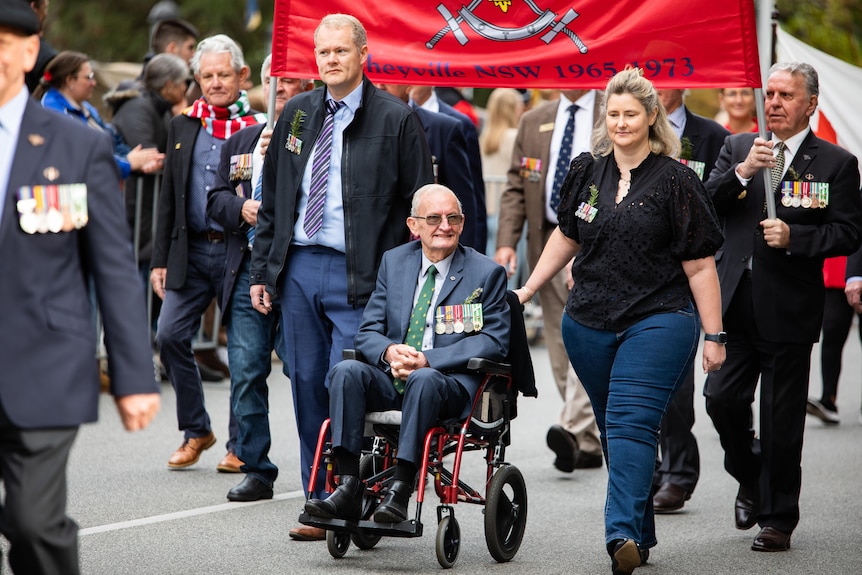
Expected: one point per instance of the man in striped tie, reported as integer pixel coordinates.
(233, 203)
(337, 184)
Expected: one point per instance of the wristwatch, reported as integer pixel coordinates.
(720, 337)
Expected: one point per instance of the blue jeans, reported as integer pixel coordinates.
(631, 377)
(178, 324)
(251, 337)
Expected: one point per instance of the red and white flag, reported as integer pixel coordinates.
(534, 43)
(836, 120)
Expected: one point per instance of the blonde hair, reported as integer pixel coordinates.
(662, 139)
(360, 38)
(504, 107)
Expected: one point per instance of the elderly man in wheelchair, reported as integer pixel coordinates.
(436, 305)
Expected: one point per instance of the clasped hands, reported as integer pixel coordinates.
(404, 360)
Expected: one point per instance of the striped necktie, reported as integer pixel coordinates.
(256, 195)
(320, 172)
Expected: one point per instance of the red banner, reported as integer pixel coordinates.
(534, 43)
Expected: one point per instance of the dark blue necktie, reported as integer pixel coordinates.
(564, 158)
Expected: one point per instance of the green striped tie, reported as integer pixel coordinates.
(416, 331)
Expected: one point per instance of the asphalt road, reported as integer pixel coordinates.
(137, 517)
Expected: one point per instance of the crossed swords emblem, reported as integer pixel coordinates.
(546, 22)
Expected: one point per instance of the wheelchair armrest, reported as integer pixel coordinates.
(353, 354)
(483, 365)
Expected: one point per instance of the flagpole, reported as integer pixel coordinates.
(768, 20)
(270, 106)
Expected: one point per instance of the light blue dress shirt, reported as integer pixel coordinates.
(10, 126)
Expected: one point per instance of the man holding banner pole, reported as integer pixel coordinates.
(338, 180)
(770, 270)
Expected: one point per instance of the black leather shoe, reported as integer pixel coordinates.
(343, 503)
(393, 509)
(565, 446)
(625, 556)
(589, 460)
(250, 489)
(771, 539)
(747, 507)
(669, 498)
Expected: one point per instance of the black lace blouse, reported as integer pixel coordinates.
(629, 266)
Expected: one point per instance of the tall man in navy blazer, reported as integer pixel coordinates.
(772, 294)
(49, 384)
(435, 378)
(322, 267)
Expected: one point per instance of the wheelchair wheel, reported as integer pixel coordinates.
(369, 465)
(505, 513)
(337, 543)
(448, 541)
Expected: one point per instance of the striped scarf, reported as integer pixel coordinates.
(222, 123)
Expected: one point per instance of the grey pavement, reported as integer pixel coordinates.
(138, 517)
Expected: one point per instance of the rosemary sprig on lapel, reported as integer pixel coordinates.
(793, 174)
(473, 296)
(296, 123)
(594, 195)
(685, 148)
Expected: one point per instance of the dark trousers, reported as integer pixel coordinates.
(42, 539)
(680, 456)
(837, 320)
(783, 370)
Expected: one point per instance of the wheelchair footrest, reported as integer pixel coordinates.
(409, 528)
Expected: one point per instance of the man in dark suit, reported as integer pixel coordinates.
(188, 247)
(532, 179)
(420, 371)
(251, 336)
(49, 384)
(426, 98)
(451, 166)
(679, 471)
(336, 190)
(772, 292)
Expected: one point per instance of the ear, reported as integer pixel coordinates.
(412, 225)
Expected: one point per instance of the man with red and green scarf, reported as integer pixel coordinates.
(189, 250)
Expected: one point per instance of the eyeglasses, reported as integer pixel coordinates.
(437, 219)
(90, 77)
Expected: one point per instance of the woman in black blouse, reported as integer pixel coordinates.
(645, 233)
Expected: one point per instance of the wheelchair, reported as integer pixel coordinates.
(485, 429)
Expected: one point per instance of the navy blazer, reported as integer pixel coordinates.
(49, 376)
(787, 285)
(387, 315)
(224, 205)
(706, 137)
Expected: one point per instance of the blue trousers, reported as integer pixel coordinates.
(179, 321)
(251, 337)
(318, 325)
(631, 377)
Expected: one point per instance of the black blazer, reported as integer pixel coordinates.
(787, 284)
(224, 205)
(706, 137)
(49, 376)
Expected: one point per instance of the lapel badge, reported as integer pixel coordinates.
(51, 173)
(452, 278)
(809, 177)
(35, 140)
(177, 146)
(806, 157)
(742, 195)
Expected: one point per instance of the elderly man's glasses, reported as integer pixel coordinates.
(437, 219)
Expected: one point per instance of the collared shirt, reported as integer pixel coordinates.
(11, 114)
(205, 159)
(442, 272)
(331, 234)
(580, 144)
(677, 120)
(432, 104)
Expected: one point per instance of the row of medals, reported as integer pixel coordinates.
(449, 319)
(52, 208)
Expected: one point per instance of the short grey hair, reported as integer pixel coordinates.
(164, 67)
(427, 189)
(267, 66)
(219, 44)
(807, 71)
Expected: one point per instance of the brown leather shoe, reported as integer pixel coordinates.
(669, 498)
(771, 539)
(190, 451)
(306, 533)
(229, 464)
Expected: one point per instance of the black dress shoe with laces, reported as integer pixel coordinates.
(393, 509)
(746, 507)
(771, 539)
(343, 503)
(250, 489)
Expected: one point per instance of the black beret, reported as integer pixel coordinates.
(18, 15)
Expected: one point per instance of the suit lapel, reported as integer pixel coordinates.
(805, 154)
(409, 278)
(456, 273)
